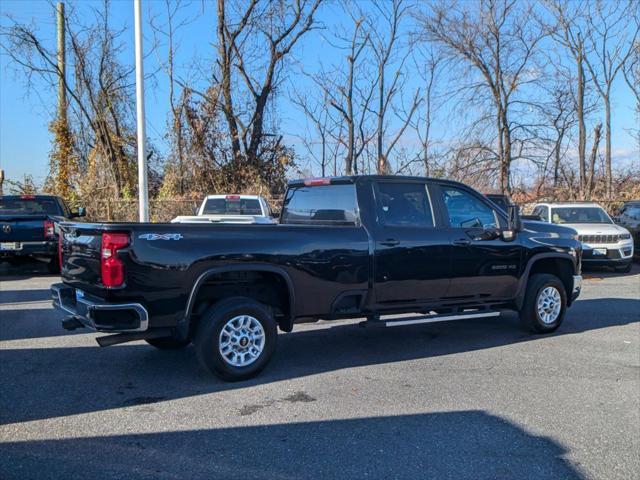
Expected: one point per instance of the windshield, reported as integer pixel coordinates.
(28, 206)
(232, 206)
(580, 215)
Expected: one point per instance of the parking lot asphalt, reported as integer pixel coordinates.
(479, 399)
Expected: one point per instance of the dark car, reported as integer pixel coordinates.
(28, 227)
(347, 247)
(629, 218)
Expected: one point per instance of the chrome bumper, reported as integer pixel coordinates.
(96, 314)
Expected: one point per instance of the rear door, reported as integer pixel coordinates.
(412, 256)
(481, 270)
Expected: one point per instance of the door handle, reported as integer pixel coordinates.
(390, 242)
(461, 242)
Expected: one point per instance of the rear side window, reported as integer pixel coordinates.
(466, 210)
(232, 206)
(404, 205)
(323, 204)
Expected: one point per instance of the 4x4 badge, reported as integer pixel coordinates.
(160, 236)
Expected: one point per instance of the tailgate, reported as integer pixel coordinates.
(23, 228)
(80, 254)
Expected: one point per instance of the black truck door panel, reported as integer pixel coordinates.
(481, 266)
(411, 259)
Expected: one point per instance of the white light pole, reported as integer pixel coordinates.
(143, 192)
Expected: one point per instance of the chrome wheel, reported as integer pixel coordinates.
(241, 341)
(549, 305)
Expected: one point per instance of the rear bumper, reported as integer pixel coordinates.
(32, 249)
(95, 313)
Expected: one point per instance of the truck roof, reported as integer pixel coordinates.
(569, 204)
(355, 178)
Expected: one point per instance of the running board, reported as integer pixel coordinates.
(430, 319)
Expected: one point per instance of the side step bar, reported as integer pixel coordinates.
(429, 319)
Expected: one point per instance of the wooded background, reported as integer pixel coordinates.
(529, 112)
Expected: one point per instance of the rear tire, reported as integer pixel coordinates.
(236, 338)
(545, 303)
(168, 343)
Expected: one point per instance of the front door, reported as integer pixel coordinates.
(483, 268)
(412, 258)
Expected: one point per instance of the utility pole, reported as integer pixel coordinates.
(62, 93)
(143, 193)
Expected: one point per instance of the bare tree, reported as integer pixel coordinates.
(317, 114)
(497, 39)
(167, 30)
(244, 30)
(569, 32)
(611, 38)
(631, 72)
(389, 53)
(99, 94)
(597, 133)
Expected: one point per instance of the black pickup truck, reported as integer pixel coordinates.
(27, 227)
(346, 247)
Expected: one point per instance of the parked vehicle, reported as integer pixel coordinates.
(346, 247)
(603, 242)
(629, 217)
(230, 209)
(27, 227)
(503, 201)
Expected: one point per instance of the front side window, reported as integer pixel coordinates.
(404, 205)
(321, 205)
(467, 211)
(542, 212)
(579, 215)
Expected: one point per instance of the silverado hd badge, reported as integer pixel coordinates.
(160, 236)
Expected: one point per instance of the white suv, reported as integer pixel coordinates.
(603, 242)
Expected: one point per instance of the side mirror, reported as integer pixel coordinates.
(514, 224)
(80, 212)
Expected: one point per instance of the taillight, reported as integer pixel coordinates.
(312, 182)
(49, 229)
(112, 266)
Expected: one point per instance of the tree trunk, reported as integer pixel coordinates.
(607, 148)
(592, 160)
(581, 125)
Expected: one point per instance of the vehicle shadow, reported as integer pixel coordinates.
(589, 272)
(444, 445)
(87, 379)
(23, 271)
(23, 296)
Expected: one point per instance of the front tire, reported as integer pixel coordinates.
(236, 338)
(545, 303)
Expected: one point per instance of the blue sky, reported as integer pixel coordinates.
(24, 137)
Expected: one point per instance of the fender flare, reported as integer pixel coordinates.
(524, 278)
(285, 325)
